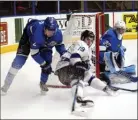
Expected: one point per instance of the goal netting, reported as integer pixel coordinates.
(78, 23)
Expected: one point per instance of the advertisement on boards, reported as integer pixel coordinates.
(3, 33)
(131, 20)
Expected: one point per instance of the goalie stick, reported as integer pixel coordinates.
(124, 89)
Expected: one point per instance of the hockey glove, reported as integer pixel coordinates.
(81, 67)
(46, 68)
(65, 57)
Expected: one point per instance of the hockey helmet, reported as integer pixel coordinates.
(50, 23)
(120, 24)
(87, 34)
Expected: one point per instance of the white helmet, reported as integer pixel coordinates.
(120, 24)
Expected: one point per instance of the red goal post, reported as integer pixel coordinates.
(79, 22)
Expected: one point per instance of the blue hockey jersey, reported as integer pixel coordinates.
(110, 41)
(39, 40)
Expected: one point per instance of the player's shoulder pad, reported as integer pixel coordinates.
(38, 32)
(108, 34)
(111, 32)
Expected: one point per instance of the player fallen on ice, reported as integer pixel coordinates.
(112, 60)
(76, 65)
(38, 38)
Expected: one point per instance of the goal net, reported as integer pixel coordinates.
(78, 23)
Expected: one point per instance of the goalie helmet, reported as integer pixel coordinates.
(50, 23)
(87, 34)
(120, 28)
(120, 24)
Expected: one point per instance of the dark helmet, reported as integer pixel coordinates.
(87, 34)
(50, 23)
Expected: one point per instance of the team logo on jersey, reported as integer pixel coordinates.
(53, 43)
(34, 44)
(107, 43)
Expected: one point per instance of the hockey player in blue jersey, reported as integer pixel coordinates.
(38, 39)
(112, 60)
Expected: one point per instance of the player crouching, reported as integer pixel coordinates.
(75, 69)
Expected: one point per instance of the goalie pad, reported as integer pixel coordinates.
(121, 77)
(113, 78)
(114, 62)
(130, 69)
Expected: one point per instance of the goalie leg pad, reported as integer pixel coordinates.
(113, 78)
(119, 77)
(111, 63)
(129, 77)
(130, 69)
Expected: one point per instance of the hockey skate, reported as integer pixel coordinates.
(43, 88)
(82, 106)
(110, 91)
(84, 102)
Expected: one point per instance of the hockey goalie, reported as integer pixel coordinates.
(112, 60)
(75, 69)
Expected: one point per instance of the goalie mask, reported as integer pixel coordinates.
(88, 37)
(120, 27)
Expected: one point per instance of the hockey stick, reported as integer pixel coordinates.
(75, 96)
(124, 89)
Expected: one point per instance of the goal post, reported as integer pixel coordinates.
(79, 22)
(85, 21)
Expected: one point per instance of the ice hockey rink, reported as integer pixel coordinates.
(24, 101)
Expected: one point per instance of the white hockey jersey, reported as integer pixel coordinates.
(79, 47)
(82, 49)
